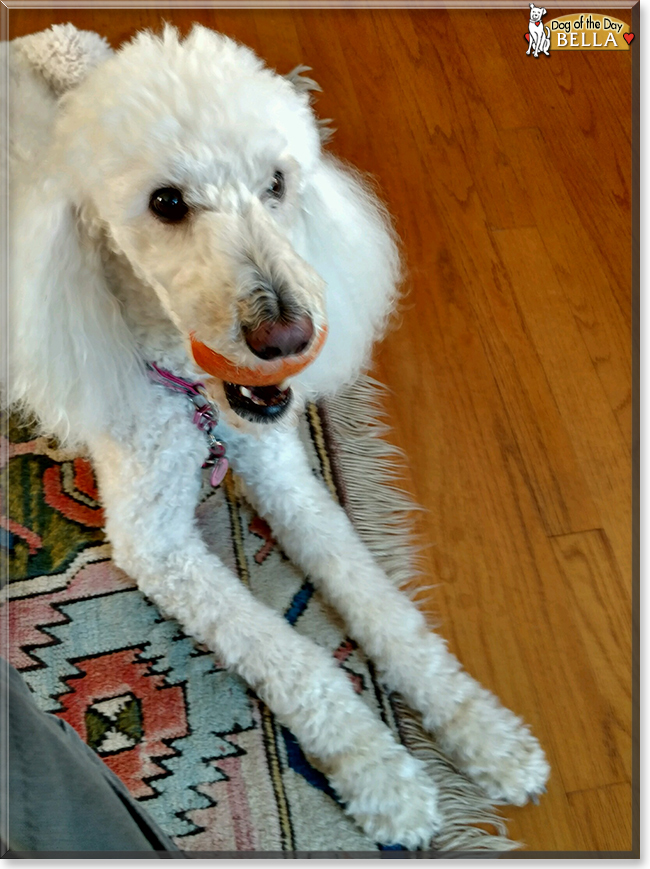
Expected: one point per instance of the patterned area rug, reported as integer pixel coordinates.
(204, 755)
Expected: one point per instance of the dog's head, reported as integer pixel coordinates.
(536, 13)
(192, 157)
(203, 171)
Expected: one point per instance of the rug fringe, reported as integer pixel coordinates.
(382, 512)
(372, 470)
(462, 803)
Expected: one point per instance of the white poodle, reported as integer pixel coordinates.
(178, 188)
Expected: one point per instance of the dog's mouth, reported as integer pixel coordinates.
(267, 398)
(261, 404)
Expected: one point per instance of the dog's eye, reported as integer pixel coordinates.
(276, 188)
(168, 204)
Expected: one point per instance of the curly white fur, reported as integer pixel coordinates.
(99, 287)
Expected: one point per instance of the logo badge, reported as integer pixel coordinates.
(587, 31)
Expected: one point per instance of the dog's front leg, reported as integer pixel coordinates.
(149, 496)
(484, 738)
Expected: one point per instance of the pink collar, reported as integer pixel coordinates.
(206, 417)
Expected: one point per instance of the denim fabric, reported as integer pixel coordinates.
(61, 796)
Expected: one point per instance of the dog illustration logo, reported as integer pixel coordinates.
(539, 37)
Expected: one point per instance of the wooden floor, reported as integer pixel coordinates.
(510, 182)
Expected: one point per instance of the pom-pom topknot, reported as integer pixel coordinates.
(269, 373)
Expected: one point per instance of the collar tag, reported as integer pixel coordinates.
(205, 417)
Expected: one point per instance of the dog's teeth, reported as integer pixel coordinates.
(245, 391)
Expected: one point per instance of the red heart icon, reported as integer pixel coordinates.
(527, 35)
(628, 37)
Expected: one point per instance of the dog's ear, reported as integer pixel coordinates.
(72, 360)
(350, 242)
(63, 55)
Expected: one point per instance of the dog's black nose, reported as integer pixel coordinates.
(273, 339)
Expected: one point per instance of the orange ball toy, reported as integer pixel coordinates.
(269, 373)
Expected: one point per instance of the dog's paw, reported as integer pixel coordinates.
(391, 798)
(494, 748)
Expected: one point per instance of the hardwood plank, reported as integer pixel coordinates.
(505, 96)
(323, 38)
(278, 38)
(541, 441)
(460, 113)
(606, 103)
(498, 574)
(604, 71)
(239, 25)
(599, 446)
(551, 822)
(595, 168)
(602, 326)
(602, 601)
(581, 718)
(588, 808)
(564, 499)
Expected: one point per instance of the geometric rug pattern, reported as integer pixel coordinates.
(190, 740)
